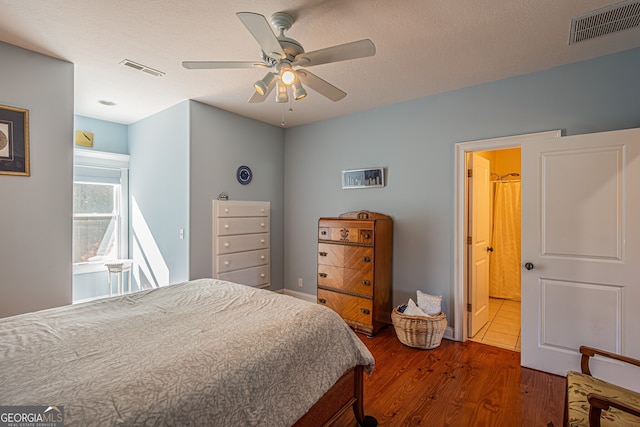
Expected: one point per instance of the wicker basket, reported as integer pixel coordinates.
(419, 331)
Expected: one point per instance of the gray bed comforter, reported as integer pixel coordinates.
(199, 353)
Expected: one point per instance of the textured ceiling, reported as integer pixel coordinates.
(423, 47)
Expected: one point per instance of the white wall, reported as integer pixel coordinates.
(36, 211)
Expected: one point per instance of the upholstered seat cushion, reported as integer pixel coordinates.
(580, 385)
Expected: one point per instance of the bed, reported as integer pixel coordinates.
(204, 352)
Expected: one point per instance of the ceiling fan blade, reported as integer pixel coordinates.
(256, 97)
(343, 52)
(323, 87)
(207, 65)
(261, 31)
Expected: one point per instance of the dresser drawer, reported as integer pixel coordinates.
(350, 308)
(228, 226)
(346, 235)
(230, 262)
(242, 242)
(346, 279)
(255, 276)
(235, 209)
(360, 257)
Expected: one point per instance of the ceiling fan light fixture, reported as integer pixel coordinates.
(287, 75)
(298, 90)
(262, 85)
(282, 96)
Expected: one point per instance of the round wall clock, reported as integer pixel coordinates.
(244, 175)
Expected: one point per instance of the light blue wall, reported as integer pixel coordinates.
(415, 141)
(183, 158)
(111, 138)
(35, 211)
(220, 143)
(107, 136)
(159, 192)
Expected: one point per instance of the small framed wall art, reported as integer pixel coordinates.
(363, 178)
(14, 141)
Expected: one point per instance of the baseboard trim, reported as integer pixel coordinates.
(300, 295)
(448, 333)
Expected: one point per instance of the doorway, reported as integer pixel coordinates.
(462, 295)
(502, 202)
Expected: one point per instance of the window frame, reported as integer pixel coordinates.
(103, 159)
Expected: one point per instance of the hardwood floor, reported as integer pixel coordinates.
(456, 384)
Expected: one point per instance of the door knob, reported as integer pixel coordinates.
(490, 249)
(528, 266)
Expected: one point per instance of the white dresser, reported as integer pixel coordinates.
(241, 242)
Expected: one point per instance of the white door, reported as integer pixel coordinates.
(581, 251)
(479, 230)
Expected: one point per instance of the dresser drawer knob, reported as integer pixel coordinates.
(226, 210)
(226, 226)
(366, 259)
(322, 274)
(226, 244)
(324, 233)
(262, 257)
(322, 253)
(365, 311)
(261, 240)
(227, 263)
(262, 224)
(263, 275)
(367, 236)
(366, 283)
(322, 300)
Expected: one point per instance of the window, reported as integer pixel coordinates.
(100, 225)
(96, 221)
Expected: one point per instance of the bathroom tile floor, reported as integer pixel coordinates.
(503, 328)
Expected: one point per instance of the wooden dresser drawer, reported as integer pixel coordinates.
(239, 209)
(342, 255)
(346, 235)
(255, 276)
(227, 226)
(346, 231)
(351, 308)
(241, 243)
(230, 262)
(346, 279)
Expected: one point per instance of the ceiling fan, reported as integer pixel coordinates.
(281, 54)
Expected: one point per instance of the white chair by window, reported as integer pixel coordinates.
(119, 267)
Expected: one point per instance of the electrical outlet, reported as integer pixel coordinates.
(300, 282)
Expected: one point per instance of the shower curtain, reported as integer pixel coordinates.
(504, 266)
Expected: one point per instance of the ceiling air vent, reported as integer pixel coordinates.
(611, 19)
(142, 68)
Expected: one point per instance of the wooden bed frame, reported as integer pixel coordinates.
(346, 392)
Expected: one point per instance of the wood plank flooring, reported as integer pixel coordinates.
(456, 384)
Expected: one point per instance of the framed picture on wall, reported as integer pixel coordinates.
(14, 141)
(363, 178)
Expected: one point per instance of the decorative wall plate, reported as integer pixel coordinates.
(244, 175)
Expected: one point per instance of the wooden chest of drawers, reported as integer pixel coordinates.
(355, 268)
(241, 242)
